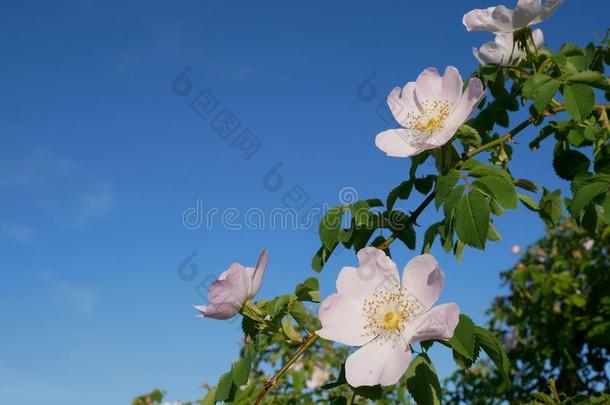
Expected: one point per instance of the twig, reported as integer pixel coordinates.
(304, 346)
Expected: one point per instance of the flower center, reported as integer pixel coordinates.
(431, 116)
(387, 313)
(391, 320)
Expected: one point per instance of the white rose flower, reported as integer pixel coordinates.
(234, 287)
(500, 19)
(503, 50)
(430, 110)
(373, 311)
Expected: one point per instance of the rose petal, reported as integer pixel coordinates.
(503, 20)
(538, 38)
(437, 323)
(379, 362)
(400, 142)
(548, 9)
(470, 99)
(402, 103)
(223, 310)
(424, 280)
(497, 52)
(525, 12)
(452, 85)
(493, 19)
(342, 320)
(429, 86)
(375, 271)
(258, 272)
(233, 288)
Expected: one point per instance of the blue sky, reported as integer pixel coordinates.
(99, 159)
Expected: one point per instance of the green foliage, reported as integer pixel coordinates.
(422, 381)
(463, 340)
(308, 290)
(472, 219)
(554, 321)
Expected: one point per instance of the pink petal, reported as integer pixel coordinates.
(470, 99)
(233, 287)
(429, 85)
(424, 280)
(538, 38)
(375, 271)
(400, 142)
(402, 103)
(548, 9)
(452, 85)
(259, 271)
(224, 310)
(493, 19)
(502, 50)
(525, 12)
(342, 320)
(378, 362)
(437, 323)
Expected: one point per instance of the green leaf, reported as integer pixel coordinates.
(550, 207)
(224, 388)
(444, 185)
(533, 83)
(429, 236)
(422, 381)
(472, 219)
(468, 136)
(330, 227)
(374, 202)
(289, 331)
(360, 237)
(463, 339)
(579, 100)
(584, 196)
(210, 398)
(403, 191)
(452, 199)
(540, 88)
(252, 311)
(319, 259)
(308, 290)
(570, 163)
(458, 250)
(361, 211)
(241, 371)
(299, 313)
(369, 392)
(493, 234)
(486, 170)
(499, 189)
(528, 202)
(606, 206)
(407, 236)
(495, 350)
(544, 95)
(424, 184)
(278, 306)
(591, 78)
